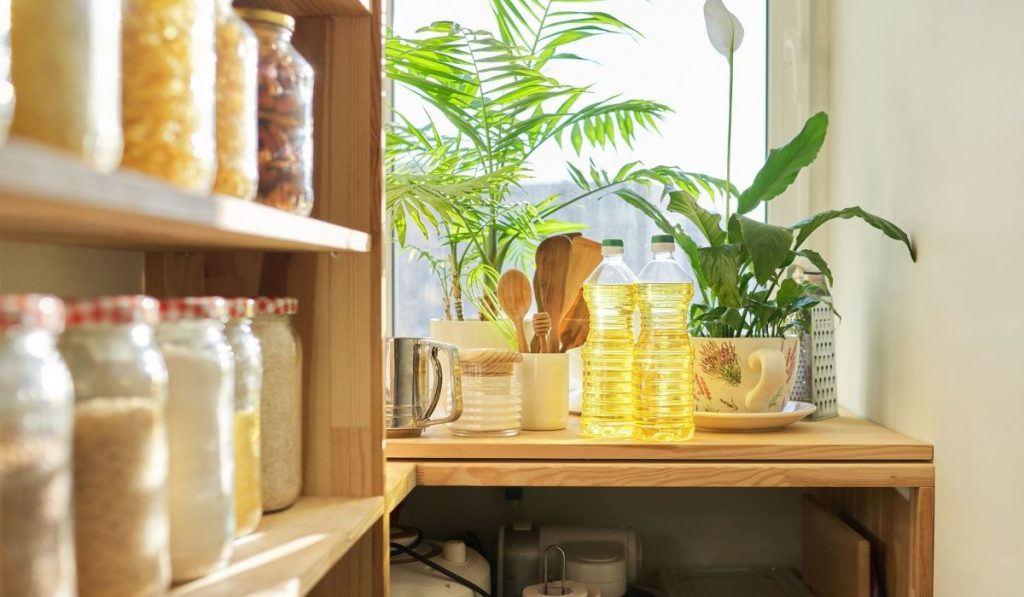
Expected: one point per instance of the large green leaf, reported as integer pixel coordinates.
(682, 239)
(806, 227)
(720, 266)
(767, 245)
(708, 223)
(784, 164)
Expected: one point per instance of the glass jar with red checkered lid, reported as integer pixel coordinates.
(36, 540)
(120, 456)
(200, 427)
(280, 401)
(248, 380)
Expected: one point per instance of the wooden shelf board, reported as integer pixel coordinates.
(46, 196)
(311, 8)
(673, 474)
(400, 480)
(843, 438)
(291, 550)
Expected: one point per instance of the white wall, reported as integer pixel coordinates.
(927, 107)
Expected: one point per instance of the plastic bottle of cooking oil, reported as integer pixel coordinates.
(610, 293)
(663, 361)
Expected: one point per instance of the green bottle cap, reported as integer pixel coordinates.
(662, 238)
(612, 242)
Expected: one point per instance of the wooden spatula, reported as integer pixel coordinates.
(552, 269)
(515, 297)
(584, 257)
(576, 326)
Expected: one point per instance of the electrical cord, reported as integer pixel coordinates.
(411, 552)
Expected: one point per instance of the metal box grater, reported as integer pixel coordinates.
(816, 367)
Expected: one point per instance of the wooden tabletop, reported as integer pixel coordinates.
(844, 438)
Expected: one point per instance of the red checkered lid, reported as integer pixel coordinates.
(241, 307)
(113, 310)
(276, 305)
(31, 311)
(193, 307)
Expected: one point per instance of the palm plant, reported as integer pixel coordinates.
(496, 94)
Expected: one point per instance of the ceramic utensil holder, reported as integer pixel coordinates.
(545, 382)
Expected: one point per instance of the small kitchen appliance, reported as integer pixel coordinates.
(409, 577)
(414, 380)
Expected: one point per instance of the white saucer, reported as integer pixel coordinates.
(791, 413)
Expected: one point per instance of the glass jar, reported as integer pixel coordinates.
(237, 51)
(6, 88)
(37, 557)
(200, 416)
(281, 402)
(66, 71)
(248, 380)
(169, 69)
(492, 401)
(285, 115)
(121, 529)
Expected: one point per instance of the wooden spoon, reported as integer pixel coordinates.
(515, 297)
(541, 329)
(552, 269)
(584, 258)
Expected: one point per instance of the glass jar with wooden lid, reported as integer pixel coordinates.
(169, 75)
(237, 51)
(285, 115)
(66, 70)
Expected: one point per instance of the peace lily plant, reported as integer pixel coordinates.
(741, 264)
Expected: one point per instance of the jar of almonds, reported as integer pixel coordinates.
(285, 115)
(169, 75)
(237, 51)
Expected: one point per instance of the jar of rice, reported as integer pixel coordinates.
(121, 531)
(200, 430)
(281, 401)
(36, 543)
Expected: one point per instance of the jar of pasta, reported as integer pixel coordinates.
(248, 380)
(280, 401)
(169, 75)
(37, 557)
(200, 430)
(66, 70)
(237, 50)
(285, 115)
(121, 528)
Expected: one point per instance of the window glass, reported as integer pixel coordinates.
(672, 63)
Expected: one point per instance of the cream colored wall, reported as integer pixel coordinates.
(69, 271)
(927, 107)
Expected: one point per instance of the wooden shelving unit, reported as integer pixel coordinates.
(333, 541)
(291, 550)
(400, 478)
(882, 480)
(46, 196)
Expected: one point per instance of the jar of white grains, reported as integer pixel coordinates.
(121, 532)
(200, 415)
(248, 380)
(36, 544)
(281, 401)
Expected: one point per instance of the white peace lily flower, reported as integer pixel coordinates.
(724, 29)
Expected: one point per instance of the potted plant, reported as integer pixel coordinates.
(495, 103)
(746, 306)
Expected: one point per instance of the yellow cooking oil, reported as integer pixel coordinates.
(608, 361)
(663, 364)
(248, 497)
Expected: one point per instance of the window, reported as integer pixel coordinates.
(672, 63)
